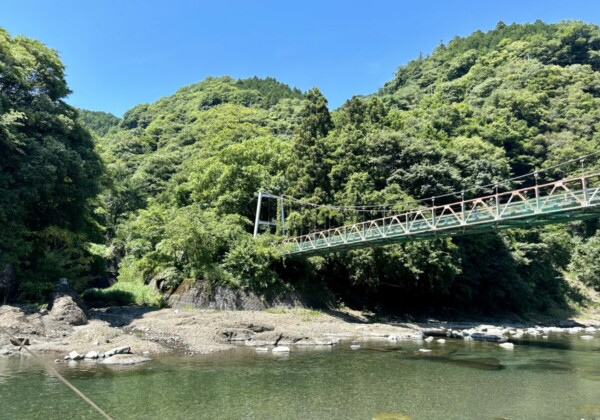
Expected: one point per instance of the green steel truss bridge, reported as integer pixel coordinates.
(561, 201)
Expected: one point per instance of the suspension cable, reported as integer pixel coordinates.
(363, 208)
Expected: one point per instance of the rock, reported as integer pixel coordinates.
(74, 356)
(489, 337)
(507, 346)
(204, 295)
(354, 346)
(545, 337)
(43, 312)
(5, 352)
(424, 350)
(65, 309)
(118, 350)
(587, 337)
(281, 349)
(441, 341)
(124, 359)
(590, 329)
(95, 343)
(261, 349)
(429, 339)
(91, 355)
(416, 336)
(468, 332)
(19, 341)
(436, 332)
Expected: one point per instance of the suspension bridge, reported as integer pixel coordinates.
(562, 201)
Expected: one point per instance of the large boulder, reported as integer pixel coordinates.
(65, 309)
(66, 305)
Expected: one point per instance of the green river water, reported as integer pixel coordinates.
(555, 378)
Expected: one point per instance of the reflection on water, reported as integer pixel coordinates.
(554, 378)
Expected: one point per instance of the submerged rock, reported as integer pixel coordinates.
(281, 349)
(507, 346)
(489, 337)
(124, 359)
(390, 416)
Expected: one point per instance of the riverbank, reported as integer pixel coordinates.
(151, 331)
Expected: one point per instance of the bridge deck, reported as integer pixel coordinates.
(557, 202)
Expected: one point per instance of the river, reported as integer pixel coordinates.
(558, 377)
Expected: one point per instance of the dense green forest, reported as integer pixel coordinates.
(172, 200)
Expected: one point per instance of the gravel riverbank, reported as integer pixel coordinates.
(201, 331)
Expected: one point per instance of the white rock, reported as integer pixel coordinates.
(281, 349)
(429, 339)
(354, 346)
(261, 349)
(587, 337)
(507, 346)
(424, 350)
(545, 337)
(441, 341)
(590, 329)
(417, 336)
(91, 355)
(74, 356)
(118, 350)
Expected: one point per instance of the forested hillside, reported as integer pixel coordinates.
(182, 174)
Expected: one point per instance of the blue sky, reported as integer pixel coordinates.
(122, 53)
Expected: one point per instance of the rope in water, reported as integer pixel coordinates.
(58, 375)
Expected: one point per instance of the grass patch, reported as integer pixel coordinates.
(124, 294)
(277, 310)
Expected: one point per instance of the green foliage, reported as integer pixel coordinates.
(49, 171)
(585, 261)
(124, 294)
(184, 172)
(97, 122)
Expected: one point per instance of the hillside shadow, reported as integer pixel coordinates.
(120, 316)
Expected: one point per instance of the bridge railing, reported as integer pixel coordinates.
(554, 197)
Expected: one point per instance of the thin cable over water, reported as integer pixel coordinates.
(58, 375)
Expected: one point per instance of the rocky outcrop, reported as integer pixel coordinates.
(226, 298)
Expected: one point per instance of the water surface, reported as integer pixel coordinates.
(554, 378)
